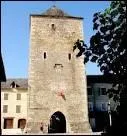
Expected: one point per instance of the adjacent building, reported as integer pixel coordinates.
(98, 101)
(14, 103)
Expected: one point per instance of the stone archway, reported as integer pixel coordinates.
(57, 123)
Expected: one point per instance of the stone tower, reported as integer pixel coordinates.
(57, 80)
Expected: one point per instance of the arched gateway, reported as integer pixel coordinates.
(57, 123)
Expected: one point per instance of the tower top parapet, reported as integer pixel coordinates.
(54, 11)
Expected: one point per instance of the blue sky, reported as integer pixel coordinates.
(15, 30)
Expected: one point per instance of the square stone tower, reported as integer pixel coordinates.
(57, 94)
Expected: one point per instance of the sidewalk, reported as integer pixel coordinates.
(19, 132)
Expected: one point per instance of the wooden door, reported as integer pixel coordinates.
(21, 123)
(8, 123)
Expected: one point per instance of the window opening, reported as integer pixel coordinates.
(5, 96)
(44, 55)
(89, 90)
(5, 108)
(18, 96)
(53, 27)
(103, 91)
(18, 108)
(69, 56)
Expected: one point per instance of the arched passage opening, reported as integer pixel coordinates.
(57, 123)
(21, 123)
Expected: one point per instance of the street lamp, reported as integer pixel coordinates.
(109, 112)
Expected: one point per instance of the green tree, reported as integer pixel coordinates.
(108, 49)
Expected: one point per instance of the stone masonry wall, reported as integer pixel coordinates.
(56, 37)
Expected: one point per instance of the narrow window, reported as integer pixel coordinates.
(44, 55)
(18, 108)
(99, 91)
(53, 27)
(69, 56)
(5, 108)
(5, 96)
(18, 96)
(103, 91)
(89, 90)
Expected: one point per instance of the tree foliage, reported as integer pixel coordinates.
(108, 46)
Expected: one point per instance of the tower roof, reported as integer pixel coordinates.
(56, 12)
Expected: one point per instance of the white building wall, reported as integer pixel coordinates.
(12, 102)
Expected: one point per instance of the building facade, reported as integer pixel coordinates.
(100, 106)
(14, 104)
(57, 80)
(15, 95)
